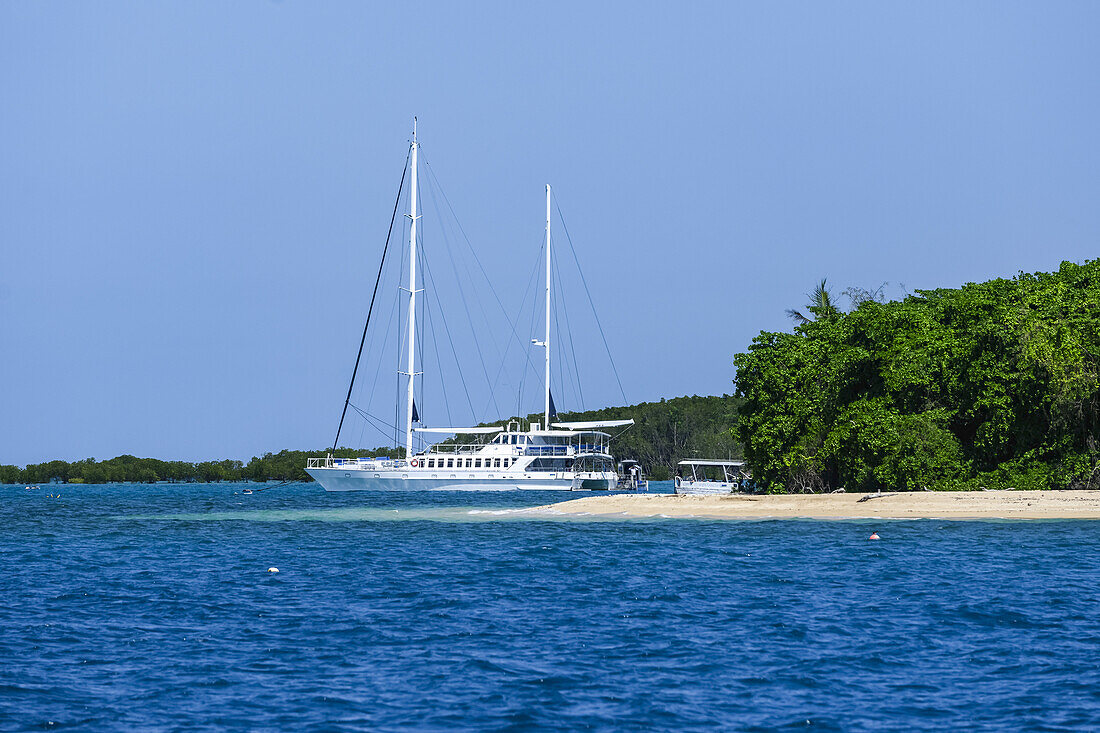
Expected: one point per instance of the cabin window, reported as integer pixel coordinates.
(450, 463)
(469, 463)
(431, 463)
(496, 463)
(477, 463)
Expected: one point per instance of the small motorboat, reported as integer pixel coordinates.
(710, 476)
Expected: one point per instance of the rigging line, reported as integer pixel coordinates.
(563, 372)
(400, 340)
(377, 279)
(454, 352)
(368, 416)
(279, 485)
(512, 323)
(420, 332)
(616, 435)
(592, 304)
(420, 260)
(473, 328)
(389, 328)
(569, 330)
(392, 323)
(362, 432)
(438, 361)
(371, 417)
(560, 370)
(430, 278)
(382, 349)
(530, 329)
(469, 275)
(473, 252)
(381, 427)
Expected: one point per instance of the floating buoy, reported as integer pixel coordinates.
(273, 570)
(874, 536)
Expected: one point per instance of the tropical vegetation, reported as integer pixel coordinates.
(665, 432)
(286, 465)
(991, 385)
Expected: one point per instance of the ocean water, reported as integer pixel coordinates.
(151, 607)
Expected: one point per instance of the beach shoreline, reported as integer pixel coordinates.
(901, 505)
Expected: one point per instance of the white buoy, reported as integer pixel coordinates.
(273, 570)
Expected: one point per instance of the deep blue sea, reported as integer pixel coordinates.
(151, 607)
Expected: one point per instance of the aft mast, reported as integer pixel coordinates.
(412, 300)
(546, 343)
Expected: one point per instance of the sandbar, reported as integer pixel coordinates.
(901, 505)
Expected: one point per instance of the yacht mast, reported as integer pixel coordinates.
(546, 343)
(412, 300)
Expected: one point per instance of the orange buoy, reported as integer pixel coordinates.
(874, 536)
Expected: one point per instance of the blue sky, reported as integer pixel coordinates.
(193, 195)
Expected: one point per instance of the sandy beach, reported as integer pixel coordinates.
(915, 505)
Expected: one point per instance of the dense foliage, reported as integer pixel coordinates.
(668, 431)
(286, 465)
(993, 385)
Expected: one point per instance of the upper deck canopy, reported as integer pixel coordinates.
(710, 462)
(594, 424)
(461, 431)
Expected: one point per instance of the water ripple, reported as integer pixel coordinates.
(127, 607)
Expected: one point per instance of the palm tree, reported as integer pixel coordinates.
(820, 306)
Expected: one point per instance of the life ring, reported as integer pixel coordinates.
(414, 463)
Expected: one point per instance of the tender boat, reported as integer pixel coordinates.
(710, 476)
(631, 477)
(548, 455)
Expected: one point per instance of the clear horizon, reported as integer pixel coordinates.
(194, 196)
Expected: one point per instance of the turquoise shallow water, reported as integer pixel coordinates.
(151, 607)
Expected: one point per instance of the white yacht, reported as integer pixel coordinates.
(548, 455)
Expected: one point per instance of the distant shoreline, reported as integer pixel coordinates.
(1052, 504)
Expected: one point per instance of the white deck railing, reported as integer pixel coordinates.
(328, 462)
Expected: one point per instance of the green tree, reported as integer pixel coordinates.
(820, 306)
(993, 384)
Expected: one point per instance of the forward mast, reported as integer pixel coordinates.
(412, 300)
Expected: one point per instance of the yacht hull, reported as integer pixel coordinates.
(341, 479)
